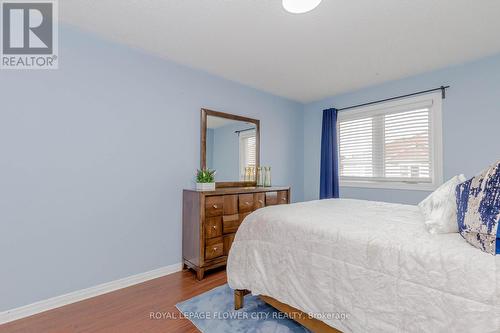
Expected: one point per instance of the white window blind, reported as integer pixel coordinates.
(249, 143)
(248, 150)
(392, 143)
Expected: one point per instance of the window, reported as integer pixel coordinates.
(248, 147)
(392, 145)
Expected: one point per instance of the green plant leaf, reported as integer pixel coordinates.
(205, 176)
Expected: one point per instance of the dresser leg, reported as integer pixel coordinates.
(200, 273)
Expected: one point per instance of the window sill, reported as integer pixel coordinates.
(390, 185)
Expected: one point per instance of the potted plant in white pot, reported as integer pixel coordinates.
(205, 180)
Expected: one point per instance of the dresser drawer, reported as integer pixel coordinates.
(271, 198)
(228, 241)
(259, 200)
(213, 227)
(214, 206)
(242, 216)
(245, 202)
(214, 248)
(230, 223)
(282, 197)
(230, 204)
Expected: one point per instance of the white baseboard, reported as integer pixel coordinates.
(80, 295)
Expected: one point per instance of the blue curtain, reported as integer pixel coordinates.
(329, 179)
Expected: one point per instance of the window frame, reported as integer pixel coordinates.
(435, 138)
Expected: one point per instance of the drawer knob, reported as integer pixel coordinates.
(215, 249)
(283, 199)
(261, 201)
(215, 206)
(215, 227)
(247, 203)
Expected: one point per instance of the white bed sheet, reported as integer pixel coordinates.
(373, 261)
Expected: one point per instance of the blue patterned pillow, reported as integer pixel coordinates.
(478, 215)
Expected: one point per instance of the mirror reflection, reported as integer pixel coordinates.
(231, 147)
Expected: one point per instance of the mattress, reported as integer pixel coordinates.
(364, 266)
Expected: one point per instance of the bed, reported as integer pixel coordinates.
(363, 266)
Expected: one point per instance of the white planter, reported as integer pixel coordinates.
(203, 187)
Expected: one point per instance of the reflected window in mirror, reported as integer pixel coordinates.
(248, 143)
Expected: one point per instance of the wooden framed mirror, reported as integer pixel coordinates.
(229, 145)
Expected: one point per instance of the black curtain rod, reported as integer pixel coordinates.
(442, 88)
(248, 129)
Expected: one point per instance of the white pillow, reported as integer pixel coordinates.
(440, 207)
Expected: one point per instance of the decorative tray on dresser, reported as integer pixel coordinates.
(211, 219)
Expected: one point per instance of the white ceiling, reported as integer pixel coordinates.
(342, 45)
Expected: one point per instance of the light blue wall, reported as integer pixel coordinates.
(94, 157)
(471, 118)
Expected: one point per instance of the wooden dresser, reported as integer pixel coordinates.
(211, 219)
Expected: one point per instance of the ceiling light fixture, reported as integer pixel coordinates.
(300, 6)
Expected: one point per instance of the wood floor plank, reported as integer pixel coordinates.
(125, 310)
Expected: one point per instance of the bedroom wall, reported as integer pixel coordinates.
(471, 114)
(94, 157)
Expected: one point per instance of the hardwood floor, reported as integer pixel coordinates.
(125, 310)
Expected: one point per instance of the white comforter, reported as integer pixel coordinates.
(372, 261)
